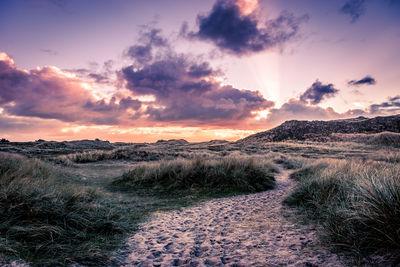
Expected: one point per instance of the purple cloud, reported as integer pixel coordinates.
(231, 30)
(318, 92)
(353, 8)
(51, 94)
(388, 107)
(368, 80)
(142, 52)
(186, 90)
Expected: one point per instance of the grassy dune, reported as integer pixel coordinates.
(357, 202)
(244, 174)
(77, 208)
(56, 216)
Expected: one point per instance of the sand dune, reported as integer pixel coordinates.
(246, 230)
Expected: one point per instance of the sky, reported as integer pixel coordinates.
(140, 71)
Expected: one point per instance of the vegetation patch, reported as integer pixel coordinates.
(46, 219)
(51, 215)
(289, 163)
(390, 139)
(242, 173)
(358, 203)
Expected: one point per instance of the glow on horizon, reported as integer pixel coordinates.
(148, 134)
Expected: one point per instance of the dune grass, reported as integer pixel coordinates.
(242, 174)
(357, 203)
(389, 139)
(46, 219)
(288, 162)
(123, 153)
(54, 215)
(50, 216)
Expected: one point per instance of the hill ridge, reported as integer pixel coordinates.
(318, 130)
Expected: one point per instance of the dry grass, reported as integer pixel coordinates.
(378, 139)
(236, 173)
(50, 217)
(44, 218)
(358, 203)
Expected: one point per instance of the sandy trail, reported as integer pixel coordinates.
(245, 230)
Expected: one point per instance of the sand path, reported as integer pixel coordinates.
(245, 230)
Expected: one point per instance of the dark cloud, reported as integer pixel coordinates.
(188, 91)
(394, 99)
(200, 70)
(318, 92)
(143, 51)
(353, 8)
(366, 80)
(389, 107)
(49, 52)
(59, 3)
(98, 78)
(240, 34)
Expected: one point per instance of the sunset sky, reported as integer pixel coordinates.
(139, 71)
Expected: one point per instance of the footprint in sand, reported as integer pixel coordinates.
(246, 230)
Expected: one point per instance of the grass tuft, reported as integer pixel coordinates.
(289, 163)
(237, 173)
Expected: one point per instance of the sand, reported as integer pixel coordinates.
(245, 230)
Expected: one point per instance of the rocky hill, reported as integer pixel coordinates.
(325, 130)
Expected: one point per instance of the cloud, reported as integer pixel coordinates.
(388, 107)
(51, 93)
(49, 52)
(104, 75)
(164, 88)
(235, 28)
(149, 39)
(366, 80)
(200, 70)
(298, 110)
(188, 91)
(353, 8)
(318, 92)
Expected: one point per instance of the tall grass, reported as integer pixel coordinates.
(288, 162)
(390, 139)
(46, 219)
(358, 203)
(235, 173)
(124, 153)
